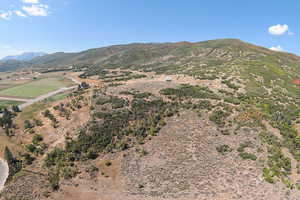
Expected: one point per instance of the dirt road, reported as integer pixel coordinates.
(3, 173)
(12, 99)
(29, 102)
(45, 96)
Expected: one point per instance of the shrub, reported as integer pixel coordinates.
(248, 156)
(92, 155)
(28, 158)
(189, 91)
(267, 175)
(54, 179)
(31, 148)
(27, 124)
(108, 163)
(142, 95)
(224, 149)
(243, 146)
(230, 84)
(69, 172)
(92, 170)
(218, 117)
(38, 122)
(37, 139)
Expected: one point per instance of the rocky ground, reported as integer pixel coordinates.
(181, 163)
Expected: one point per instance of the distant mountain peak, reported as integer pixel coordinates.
(26, 56)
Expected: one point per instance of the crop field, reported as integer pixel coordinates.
(36, 88)
(7, 103)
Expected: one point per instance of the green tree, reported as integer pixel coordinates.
(16, 108)
(14, 165)
(8, 156)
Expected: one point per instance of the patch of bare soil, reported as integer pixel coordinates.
(28, 185)
(182, 163)
(90, 81)
(154, 83)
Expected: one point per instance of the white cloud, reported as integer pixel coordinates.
(31, 1)
(276, 48)
(5, 15)
(20, 13)
(36, 10)
(278, 29)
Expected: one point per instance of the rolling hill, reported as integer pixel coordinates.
(218, 119)
(162, 55)
(208, 59)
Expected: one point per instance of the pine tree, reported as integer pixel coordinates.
(8, 156)
(7, 132)
(14, 165)
(6, 120)
(15, 108)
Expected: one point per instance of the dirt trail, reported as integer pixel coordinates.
(4, 171)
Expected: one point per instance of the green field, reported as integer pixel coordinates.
(57, 97)
(7, 103)
(36, 88)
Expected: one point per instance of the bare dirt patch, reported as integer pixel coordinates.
(182, 163)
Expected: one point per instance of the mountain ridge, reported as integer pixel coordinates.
(102, 55)
(26, 56)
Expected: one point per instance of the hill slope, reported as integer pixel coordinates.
(210, 120)
(161, 56)
(24, 56)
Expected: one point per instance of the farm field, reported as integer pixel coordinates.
(57, 97)
(6, 103)
(8, 83)
(36, 88)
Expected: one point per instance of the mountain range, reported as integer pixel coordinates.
(159, 54)
(24, 56)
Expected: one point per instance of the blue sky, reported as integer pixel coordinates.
(75, 25)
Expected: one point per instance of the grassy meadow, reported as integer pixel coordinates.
(7, 103)
(36, 88)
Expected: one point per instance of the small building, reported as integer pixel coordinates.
(168, 79)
